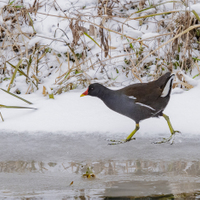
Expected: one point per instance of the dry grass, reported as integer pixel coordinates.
(92, 54)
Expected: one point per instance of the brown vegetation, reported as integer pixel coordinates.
(175, 47)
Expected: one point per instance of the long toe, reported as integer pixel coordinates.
(115, 142)
(176, 132)
(170, 139)
(165, 140)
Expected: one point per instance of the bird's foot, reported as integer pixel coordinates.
(170, 139)
(165, 140)
(115, 142)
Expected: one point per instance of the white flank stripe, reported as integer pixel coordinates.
(144, 105)
(132, 97)
(166, 89)
(157, 112)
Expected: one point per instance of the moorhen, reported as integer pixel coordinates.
(137, 101)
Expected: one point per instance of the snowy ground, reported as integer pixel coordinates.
(72, 114)
(44, 150)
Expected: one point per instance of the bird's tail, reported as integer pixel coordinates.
(168, 86)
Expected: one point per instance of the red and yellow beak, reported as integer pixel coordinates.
(84, 93)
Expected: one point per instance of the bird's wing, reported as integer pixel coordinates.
(148, 93)
(142, 92)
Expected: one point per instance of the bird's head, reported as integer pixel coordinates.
(93, 90)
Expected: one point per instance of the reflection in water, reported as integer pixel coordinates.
(135, 178)
(23, 166)
(137, 167)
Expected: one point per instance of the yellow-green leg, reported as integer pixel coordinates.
(171, 130)
(137, 127)
(113, 142)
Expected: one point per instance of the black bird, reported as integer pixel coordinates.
(137, 101)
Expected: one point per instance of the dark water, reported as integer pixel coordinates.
(56, 166)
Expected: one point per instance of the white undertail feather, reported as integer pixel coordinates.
(167, 87)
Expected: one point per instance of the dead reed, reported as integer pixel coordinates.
(104, 41)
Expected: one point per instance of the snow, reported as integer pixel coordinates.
(149, 35)
(44, 150)
(68, 113)
(196, 7)
(71, 114)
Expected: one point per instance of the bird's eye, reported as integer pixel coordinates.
(91, 88)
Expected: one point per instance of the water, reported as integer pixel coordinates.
(51, 166)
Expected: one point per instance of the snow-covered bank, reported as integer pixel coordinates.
(54, 65)
(71, 114)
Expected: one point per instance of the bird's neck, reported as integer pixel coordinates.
(105, 94)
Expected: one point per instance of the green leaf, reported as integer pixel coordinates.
(195, 76)
(196, 15)
(51, 96)
(14, 74)
(11, 2)
(16, 96)
(92, 39)
(22, 73)
(20, 107)
(131, 45)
